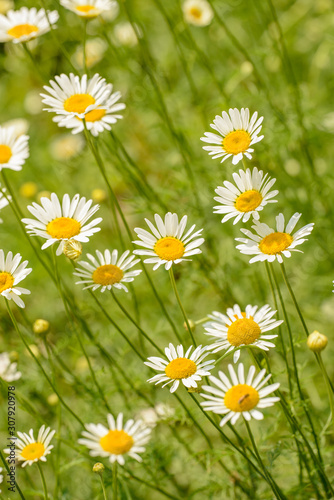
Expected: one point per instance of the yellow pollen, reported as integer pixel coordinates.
(275, 243)
(241, 397)
(117, 442)
(33, 451)
(169, 248)
(196, 12)
(63, 227)
(95, 115)
(78, 103)
(248, 201)
(6, 281)
(236, 142)
(243, 331)
(85, 8)
(22, 30)
(180, 368)
(107, 275)
(5, 153)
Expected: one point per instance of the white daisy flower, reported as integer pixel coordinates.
(1, 477)
(98, 119)
(4, 201)
(88, 8)
(62, 222)
(250, 195)
(244, 396)
(14, 150)
(107, 270)
(117, 440)
(73, 96)
(181, 366)
(237, 134)
(29, 450)
(22, 25)
(168, 244)
(269, 244)
(238, 328)
(11, 273)
(8, 371)
(197, 12)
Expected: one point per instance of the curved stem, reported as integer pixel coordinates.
(328, 386)
(43, 480)
(172, 278)
(103, 487)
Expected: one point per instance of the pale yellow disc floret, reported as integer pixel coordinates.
(107, 275)
(243, 331)
(169, 248)
(275, 243)
(241, 397)
(248, 201)
(180, 368)
(236, 142)
(117, 442)
(63, 228)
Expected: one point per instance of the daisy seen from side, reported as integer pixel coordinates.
(19, 26)
(88, 9)
(180, 366)
(268, 244)
(8, 370)
(117, 440)
(245, 199)
(237, 328)
(59, 222)
(168, 243)
(14, 149)
(12, 272)
(239, 395)
(238, 132)
(29, 450)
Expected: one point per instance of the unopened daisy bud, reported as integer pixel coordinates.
(72, 249)
(53, 399)
(34, 349)
(28, 189)
(191, 323)
(195, 389)
(99, 195)
(316, 341)
(13, 356)
(40, 326)
(98, 467)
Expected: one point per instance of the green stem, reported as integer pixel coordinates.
(5, 464)
(114, 482)
(328, 386)
(172, 278)
(84, 47)
(103, 487)
(36, 66)
(43, 480)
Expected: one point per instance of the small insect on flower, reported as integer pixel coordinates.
(247, 198)
(56, 222)
(88, 8)
(181, 366)
(269, 244)
(107, 270)
(168, 244)
(29, 450)
(11, 273)
(244, 396)
(14, 150)
(238, 328)
(8, 370)
(19, 26)
(117, 440)
(237, 134)
(197, 12)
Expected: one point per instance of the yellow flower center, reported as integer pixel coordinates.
(107, 275)
(63, 227)
(241, 397)
(243, 331)
(169, 248)
(33, 451)
(248, 201)
(95, 115)
(6, 281)
(5, 153)
(236, 142)
(117, 442)
(78, 103)
(275, 243)
(180, 368)
(85, 8)
(22, 30)
(196, 12)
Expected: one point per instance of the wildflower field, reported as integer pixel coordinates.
(166, 255)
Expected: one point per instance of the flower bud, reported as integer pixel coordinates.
(197, 389)
(317, 341)
(40, 326)
(72, 249)
(13, 356)
(98, 467)
(192, 325)
(53, 399)
(99, 195)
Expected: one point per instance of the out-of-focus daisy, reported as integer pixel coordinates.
(107, 270)
(197, 12)
(98, 119)
(66, 146)
(95, 50)
(28, 189)
(238, 328)
(29, 450)
(8, 370)
(5, 6)
(14, 150)
(62, 222)
(4, 201)
(117, 440)
(244, 396)
(247, 198)
(168, 244)
(269, 244)
(22, 25)
(237, 134)
(88, 8)
(1, 477)
(74, 96)
(21, 125)
(125, 34)
(11, 273)
(181, 366)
